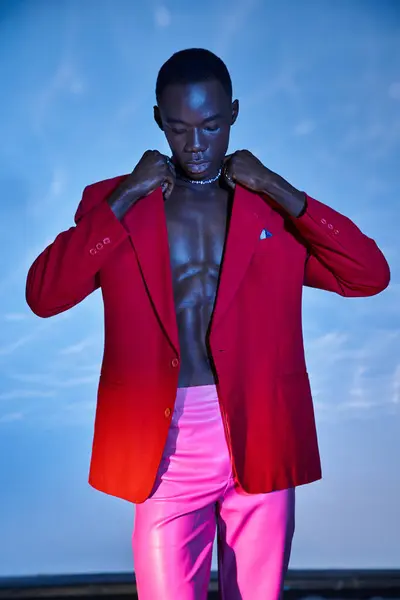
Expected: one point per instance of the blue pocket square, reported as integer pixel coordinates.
(265, 234)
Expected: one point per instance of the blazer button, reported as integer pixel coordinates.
(167, 412)
(174, 362)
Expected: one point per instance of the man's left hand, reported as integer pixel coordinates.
(244, 168)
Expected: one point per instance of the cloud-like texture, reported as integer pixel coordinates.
(320, 102)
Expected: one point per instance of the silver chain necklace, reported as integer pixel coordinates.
(203, 181)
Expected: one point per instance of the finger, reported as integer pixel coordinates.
(166, 184)
(229, 168)
(170, 179)
(228, 176)
(171, 168)
(168, 188)
(169, 182)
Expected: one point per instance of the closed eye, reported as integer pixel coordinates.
(178, 130)
(210, 128)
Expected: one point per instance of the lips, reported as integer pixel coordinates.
(197, 166)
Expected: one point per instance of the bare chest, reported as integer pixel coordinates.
(196, 234)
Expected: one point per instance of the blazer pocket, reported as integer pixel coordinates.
(269, 243)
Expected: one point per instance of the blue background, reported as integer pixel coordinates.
(319, 86)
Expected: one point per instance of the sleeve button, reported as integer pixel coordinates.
(323, 221)
(174, 362)
(167, 412)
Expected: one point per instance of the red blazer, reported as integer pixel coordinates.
(256, 334)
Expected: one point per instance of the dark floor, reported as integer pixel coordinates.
(305, 584)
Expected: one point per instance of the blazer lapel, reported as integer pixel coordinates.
(147, 227)
(244, 232)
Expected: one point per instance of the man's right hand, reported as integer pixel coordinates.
(152, 171)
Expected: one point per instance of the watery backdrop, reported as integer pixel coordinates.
(319, 87)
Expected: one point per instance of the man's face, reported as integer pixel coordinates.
(196, 119)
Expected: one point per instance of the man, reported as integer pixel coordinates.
(204, 416)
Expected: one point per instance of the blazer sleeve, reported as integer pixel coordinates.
(341, 258)
(68, 269)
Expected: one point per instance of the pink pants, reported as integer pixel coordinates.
(194, 494)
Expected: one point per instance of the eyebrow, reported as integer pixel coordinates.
(206, 120)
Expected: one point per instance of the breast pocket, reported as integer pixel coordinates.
(271, 253)
(280, 255)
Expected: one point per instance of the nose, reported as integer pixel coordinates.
(193, 142)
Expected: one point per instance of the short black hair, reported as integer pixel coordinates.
(193, 66)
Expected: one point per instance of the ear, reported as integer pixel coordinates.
(235, 111)
(157, 117)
